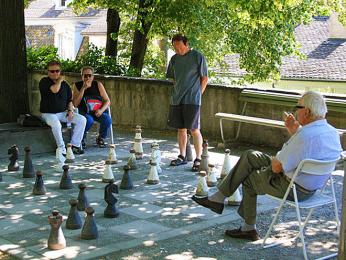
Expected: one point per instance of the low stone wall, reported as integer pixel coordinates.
(145, 102)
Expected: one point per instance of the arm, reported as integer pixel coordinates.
(291, 124)
(276, 165)
(77, 95)
(105, 98)
(204, 82)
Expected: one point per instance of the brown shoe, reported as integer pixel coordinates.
(238, 233)
(205, 202)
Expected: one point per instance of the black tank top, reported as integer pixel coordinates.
(92, 91)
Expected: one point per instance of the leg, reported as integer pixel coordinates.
(53, 121)
(197, 142)
(105, 123)
(89, 122)
(79, 123)
(182, 139)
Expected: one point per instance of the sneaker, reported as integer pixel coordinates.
(100, 142)
(77, 150)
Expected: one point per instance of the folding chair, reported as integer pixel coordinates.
(311, 167)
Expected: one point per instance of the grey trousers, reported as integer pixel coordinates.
(253, 171)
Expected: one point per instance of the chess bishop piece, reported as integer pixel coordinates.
(28, 171)
(227, 165)
(89, 230)
(153, 177)
(156, 156)
(188, 150)
(107, 173)
(69, 154)
(235, 198)
(73, 220)
(56, 238)
(205, 157)
(138, 143)
(132, 160)
(83, 202)
(202, 187)
(65, 181)
(60, 159)
(126, 182)
(211, 179)
(112, 157)
(39, 188)
(111, 210)
(13, 165)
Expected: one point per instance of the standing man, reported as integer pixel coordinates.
(189, 71)
(56, 106)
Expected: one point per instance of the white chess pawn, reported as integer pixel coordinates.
(132, 160)
(205, 157)
(202, 188)
(156, 156)
(227, 164)
(235, 198)
(138, 143)
(153, 177)
(107, 173)
(211, 179)
(69, 154)
(60, 159)
(112, 157)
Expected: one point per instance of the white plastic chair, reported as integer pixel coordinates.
(320, 198)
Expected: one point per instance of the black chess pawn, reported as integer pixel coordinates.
(111, 210)
(39, 188)
(126, 182)
(82, 199)
(73, 220)
(89, 230)
(188, 151)
(65, 181)
(28, 171)
(14, 152)
(56, 238)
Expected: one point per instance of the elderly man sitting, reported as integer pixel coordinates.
(311, 137)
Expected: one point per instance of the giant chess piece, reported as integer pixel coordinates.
(153, 177)
(89, 230)
(112, 157)
(235, 198)
(65, 181)
(60, 159)
(73, 220)
(0, 177)
(28, 171)
(211, 179)
(14, 152)
(138, 143)
(227, 164)
(69, 154)
(205, 157)
(107, 173)
(132, 160)
(202, 188)
(126, 182)
(82, 198)
(156, 156)
(188, 150)
(39, 188)
(56, 238)
(111, 210)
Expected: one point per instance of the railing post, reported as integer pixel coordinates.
(342, 245)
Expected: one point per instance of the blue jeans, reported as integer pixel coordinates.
(104, 120)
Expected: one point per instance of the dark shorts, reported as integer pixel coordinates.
(184, 116)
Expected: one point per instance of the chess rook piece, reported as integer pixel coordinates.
(138, 143)
(69, 154)
(126, 182)
(112, 157)
(211, 179)
(235, 198)
(60, 159)
(202, 188)
(111, 210)
(73, 220)
(188, 151)
(227, 165)
(13, 165)
(156, 156)
(28, 171)
(132, 160)
(153, 177)
(89, 230)
(65, 181)
(107, 173)
(56, 238)
(205, 157)
(82, 199)
(39, 188)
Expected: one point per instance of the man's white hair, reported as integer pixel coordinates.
(316, 103)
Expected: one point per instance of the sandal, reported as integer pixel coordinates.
(196, 164)
(100, 142)
(179, 161)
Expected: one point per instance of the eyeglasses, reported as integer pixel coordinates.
(87, 75)
(54, 71)
(299, 107)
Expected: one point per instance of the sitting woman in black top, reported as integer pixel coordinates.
(92, 101)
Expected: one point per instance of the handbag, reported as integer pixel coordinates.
(92, 103)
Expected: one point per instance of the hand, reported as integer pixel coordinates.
(87, 83)
(61, 79)
(69, 115)
(291, 123)
(276, 165)
(98, 112)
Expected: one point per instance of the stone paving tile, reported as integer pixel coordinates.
(143, 211)
(14, 223)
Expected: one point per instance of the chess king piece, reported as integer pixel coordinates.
(202, 188)
(138, 143)
(205, 157)
(65, 181)
(188, 151)
(107, 173)
(227, 165)
(69, 154)
(73, 220)
(39, 188)
(156, 156)
(82, 198)
(132, 160)
(111, 210)
(126, 182)
(60, 159)
(211, 179)
(28, 171)
(13, 165)
(56, 238)
(112, 157)
(235, 198)
(89, 230)
(153, 177)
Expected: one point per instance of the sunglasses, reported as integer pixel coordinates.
(87, 75)
(299, 107)
(54, 71)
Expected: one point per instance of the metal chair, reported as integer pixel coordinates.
(320, 198)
